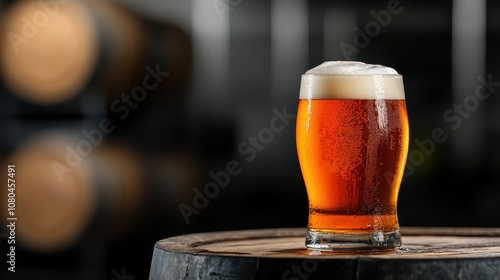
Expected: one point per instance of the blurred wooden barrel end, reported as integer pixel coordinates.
(63, 196)
(50, 52)
(47, 58)
(427, 253)
(53, 207)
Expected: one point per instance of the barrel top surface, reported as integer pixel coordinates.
(418, 243)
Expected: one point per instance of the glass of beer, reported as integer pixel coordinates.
(352, 142)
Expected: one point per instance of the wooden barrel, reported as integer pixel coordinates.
(427, 253)
(50, 51)
(63, 195)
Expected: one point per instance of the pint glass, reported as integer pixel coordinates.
(352, 141)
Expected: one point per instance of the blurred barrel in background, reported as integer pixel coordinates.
(65, 192)
(51, 213)
(60, 60)
(172, 51)
(52, 50)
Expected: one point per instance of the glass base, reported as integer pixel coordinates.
(317, 240)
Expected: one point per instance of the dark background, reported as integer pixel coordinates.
(245, 62)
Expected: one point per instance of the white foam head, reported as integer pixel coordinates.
(351, 80)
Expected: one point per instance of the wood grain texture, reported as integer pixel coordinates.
(427, 253)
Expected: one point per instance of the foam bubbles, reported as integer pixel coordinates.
(351, 67)
(351, 80)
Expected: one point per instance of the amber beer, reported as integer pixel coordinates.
(352, 142)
